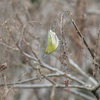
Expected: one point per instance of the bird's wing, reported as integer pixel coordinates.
(49, 38)
(54, 38)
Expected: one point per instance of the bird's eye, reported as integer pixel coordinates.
(48, 51)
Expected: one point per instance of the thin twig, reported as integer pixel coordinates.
(80, 34)
(13, 86)
(97, 40)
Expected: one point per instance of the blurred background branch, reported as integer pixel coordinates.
(71, 72)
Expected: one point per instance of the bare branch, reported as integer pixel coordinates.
(81, 94)
(80, 34)
(29, 86)
(81, 71)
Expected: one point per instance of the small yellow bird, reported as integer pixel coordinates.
(53, 42)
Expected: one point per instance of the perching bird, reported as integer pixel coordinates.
(53, 42)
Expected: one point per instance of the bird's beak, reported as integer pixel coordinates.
(45, 55)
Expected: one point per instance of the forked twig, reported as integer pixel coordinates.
(13, 86)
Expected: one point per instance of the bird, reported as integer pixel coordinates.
(53, 42)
